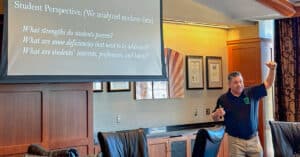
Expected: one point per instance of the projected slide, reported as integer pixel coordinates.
(84, 37)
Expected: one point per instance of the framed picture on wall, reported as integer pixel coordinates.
(143, 90)
(214, 75)
(97, 86)
(160, 90)
(118, 86)
(194, 72)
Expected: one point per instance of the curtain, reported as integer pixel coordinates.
(287, 56)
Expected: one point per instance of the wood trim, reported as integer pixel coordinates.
(9, 150)
(20, 88)
(245, 41)
(177, 139)
(90, 118)
(97, 149)
(69, 143)
(242, 41)
(282, 6)
(189, 144)
(157, 140)
(261, 124)
(45, 118)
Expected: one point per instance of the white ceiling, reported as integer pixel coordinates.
(218, 12)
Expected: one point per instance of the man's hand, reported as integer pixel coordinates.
(271, 65)
(271, 76)
(218, 114)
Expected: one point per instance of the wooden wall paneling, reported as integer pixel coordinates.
(15, 155)
(53, 115)
(70, 117)
(250, 51)
(20, 118)
(83, 150)
(158, 147)
(67, 117)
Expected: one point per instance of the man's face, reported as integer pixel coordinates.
(236, 84)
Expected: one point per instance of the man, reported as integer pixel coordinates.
(239, 108)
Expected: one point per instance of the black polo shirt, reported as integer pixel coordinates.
(241, 118)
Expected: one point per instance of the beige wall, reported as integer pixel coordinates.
(189, 40)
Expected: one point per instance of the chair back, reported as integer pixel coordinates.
(208, 142)
(38, 150)
(128, 143)
(285, 138)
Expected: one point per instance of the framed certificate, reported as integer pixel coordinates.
(194, 72)
(118, 86)
(97, 86)
(160, 90)
(143, 90)
(214, 75)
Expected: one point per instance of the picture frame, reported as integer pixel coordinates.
(194, 72)
(214, 74)
(143, 90)
(97, 87)
(118, 86)
(160, 90)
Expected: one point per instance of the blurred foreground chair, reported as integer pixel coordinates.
(286, 138)
(128, 143)
(208, 142)
(38, 151)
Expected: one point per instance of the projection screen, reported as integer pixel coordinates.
(76, 40)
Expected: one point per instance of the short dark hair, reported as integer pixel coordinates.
(233, 74)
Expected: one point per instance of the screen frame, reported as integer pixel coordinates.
(71, 78)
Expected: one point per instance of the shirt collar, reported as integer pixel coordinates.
(229, 94)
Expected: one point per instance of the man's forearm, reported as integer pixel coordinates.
(270, 78)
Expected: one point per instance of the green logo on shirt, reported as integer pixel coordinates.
(246, 100)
